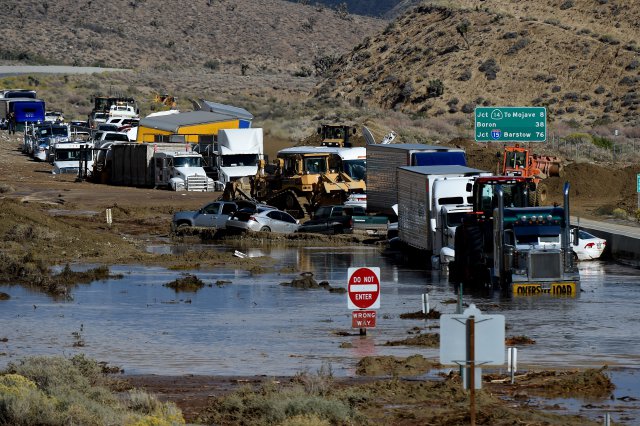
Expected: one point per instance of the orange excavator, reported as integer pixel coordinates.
(519, 161)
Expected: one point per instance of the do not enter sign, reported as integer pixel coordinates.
(363, 287)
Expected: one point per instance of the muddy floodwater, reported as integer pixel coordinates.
(245, 324)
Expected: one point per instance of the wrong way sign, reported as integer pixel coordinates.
(363, 288)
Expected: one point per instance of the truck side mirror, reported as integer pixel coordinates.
(469, 187)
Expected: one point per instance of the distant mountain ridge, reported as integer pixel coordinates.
(377, 8)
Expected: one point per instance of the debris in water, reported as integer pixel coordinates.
(187, 282)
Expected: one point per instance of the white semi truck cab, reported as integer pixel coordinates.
(181, 171)
(238, 154)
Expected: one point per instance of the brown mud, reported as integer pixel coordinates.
(375, 400)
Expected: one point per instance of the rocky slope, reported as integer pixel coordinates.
(579, 58)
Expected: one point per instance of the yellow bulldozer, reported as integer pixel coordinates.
(167, 100)
(301, 179)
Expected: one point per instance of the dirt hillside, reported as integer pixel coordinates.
(270, 35)
(578, 58)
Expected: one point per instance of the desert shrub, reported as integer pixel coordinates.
(323, 64)
(59, 391)
(518, 45)
(599, 90)
(6, 188)
(602, 142)
(579, 138)
(632, 65)
(567, 4)
(468, 108)
(435, 88)
(303, 72)
(609, 39)
(465, 75)
(552, 21)
(619, 213)
(23, 232)
(490, 68)
(212, 64)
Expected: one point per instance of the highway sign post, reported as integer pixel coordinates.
(510, 124)
(638, 188)
(472, 339)
(363, 290)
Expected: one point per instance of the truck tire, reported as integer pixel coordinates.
(469, 266)
(542, 192)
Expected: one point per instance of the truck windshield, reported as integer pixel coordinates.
(68, 154)
(239, 160)
(315, 165)
(116, 137)
(356, 169)
(53, 131)
(187, 162)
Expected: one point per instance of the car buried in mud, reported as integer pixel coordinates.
(262, 218)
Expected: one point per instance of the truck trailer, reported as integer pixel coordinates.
(171, 165)
(384, 159)
(431, 202)
(27, 110)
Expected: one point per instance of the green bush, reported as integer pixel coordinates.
(602, 142)
(619, 213)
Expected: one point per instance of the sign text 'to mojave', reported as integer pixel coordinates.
(363, 287)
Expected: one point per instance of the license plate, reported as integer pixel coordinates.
(553, 289)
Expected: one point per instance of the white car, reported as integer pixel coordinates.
(263, 219)
(589, 246)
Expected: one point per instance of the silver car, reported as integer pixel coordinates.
(262, 219)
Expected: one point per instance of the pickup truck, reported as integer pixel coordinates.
(212, 215)
(343, 219)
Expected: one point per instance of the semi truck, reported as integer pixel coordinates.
(171, 165)
(27, 110)
(234, 156)
(431, 202)
(384, 159)
(507, 244)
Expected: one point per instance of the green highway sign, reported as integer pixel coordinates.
(511, 124)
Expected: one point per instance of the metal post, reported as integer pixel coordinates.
(425, 303)
(471, 327)
(363, 331)
(459, 308)
(607, 419)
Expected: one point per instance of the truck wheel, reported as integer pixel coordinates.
(265, 229)
(542, 192)
(532, 201)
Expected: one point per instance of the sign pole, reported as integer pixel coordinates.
(471, 327)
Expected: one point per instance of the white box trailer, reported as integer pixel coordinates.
(384, 159)
(431, 202)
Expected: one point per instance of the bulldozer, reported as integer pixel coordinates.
(299, 180)
(519, 161)
(167, 100)
(336, 135)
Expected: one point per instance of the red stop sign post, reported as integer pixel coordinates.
(363, 287)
